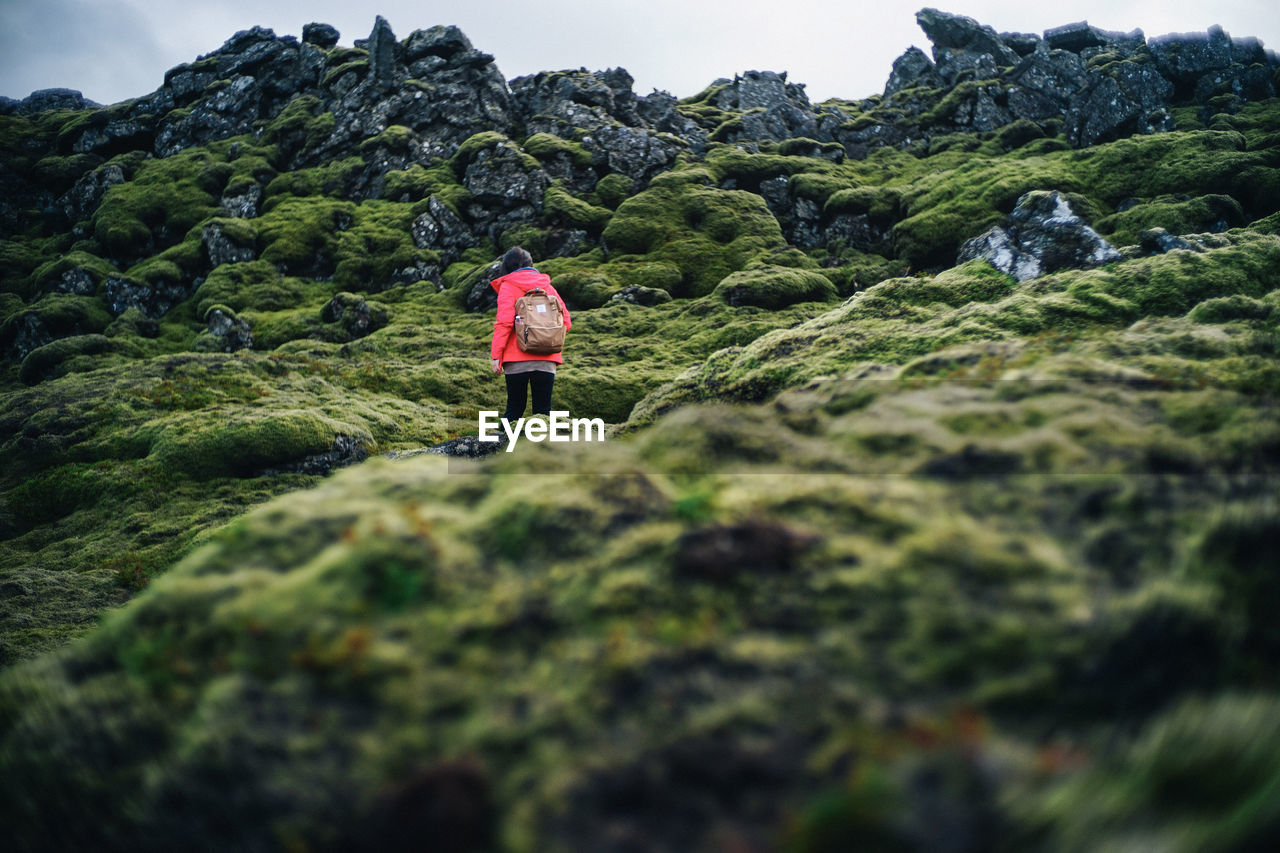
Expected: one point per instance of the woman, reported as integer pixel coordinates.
(522, 369)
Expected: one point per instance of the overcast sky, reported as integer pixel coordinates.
(112, 50)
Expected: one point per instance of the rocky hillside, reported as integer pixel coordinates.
(937, 513)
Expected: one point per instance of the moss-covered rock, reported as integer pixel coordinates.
(774, 287)
(705, 232)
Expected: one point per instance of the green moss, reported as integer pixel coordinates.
(705, 232)
(584, 289)
(473, 145)
(547, 146)
(881, 204)
(257, 285)
(1155, 782)
(377, 246)
(48, 275)
(419, 182)
(18, 258)
(774, 287)
(164, 200)
(611, 190)
(44, 361)
(359, 67)
(1205, 213)
(59, 173)
(396, 138)
(331, 180)
(242, 447)
(60, 314)
(302, 234)
(562, 207)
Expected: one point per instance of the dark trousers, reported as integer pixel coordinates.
(518, 385)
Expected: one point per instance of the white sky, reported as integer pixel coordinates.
(112, 50)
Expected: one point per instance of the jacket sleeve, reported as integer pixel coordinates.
(503, 322)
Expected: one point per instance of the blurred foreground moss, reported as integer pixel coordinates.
(729, 618)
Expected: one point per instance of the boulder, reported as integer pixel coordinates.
(244, 204)
(910, 69)
(29, 335)
(232, 332)
(506, 186)
(83, 199)
(440, 42)
(636, 294)
(637, 153)
(355, 314)
(228, 109)
(123, 294)
(441, 230)
(220, 247)
(1185, 57)
(383, 50)
(78, 282)
(1157, 241)
(53, 99)
(1023, 44)
(480, 297)
(321, 35)
(1043, 235)
(958, 32)
(1130, 99)
(585, 99)
(1080, 36)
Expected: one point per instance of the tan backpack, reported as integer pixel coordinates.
(539, 324)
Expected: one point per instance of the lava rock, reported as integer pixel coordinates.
(961, 33)
(220, 248)
(356, 315)
(1185, 57)
(123, 294)
(911, 69)
(382, 52)
(1157, 241)
(1129, 100)
(636, 294)
(321, 35)
(1080, 36)
(243, 205)
(83, 199)
(440, 229)
(232, 331)
(42, 100)
(637, 153)
(347, 450)
(78, 281)
(1043, 235)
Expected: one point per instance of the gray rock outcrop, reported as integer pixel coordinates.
(1043, 234)
(231, 332)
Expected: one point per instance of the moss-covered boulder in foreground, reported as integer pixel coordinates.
(738, 601)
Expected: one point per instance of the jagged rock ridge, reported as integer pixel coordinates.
(387, 106)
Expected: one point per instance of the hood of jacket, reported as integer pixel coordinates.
(525, 279)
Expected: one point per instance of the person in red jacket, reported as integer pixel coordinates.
(522, 370)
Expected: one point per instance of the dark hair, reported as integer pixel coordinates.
(516, 258)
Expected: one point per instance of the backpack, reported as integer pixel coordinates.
(539, 323)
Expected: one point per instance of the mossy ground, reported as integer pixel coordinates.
(953, 546)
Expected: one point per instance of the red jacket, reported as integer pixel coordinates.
(511, 287)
